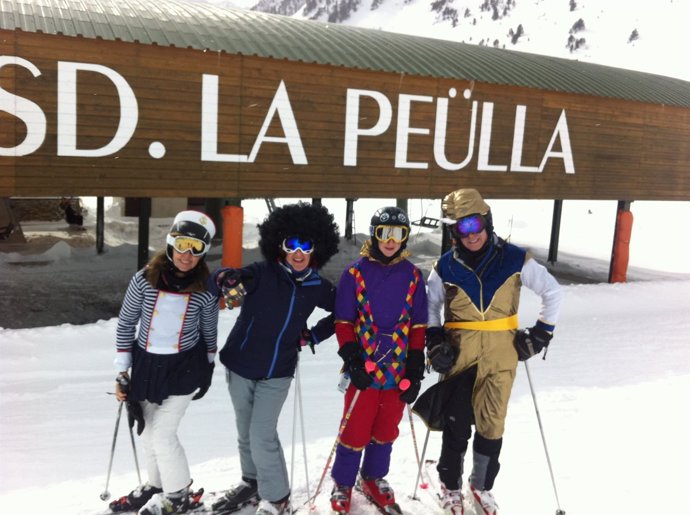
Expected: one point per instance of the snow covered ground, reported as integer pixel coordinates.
(612, 396)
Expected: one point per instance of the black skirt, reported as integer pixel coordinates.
(155, 377)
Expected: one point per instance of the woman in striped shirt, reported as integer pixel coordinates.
(166, 333)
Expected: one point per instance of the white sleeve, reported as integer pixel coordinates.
(538, 279)
(435, 295)
(122, 361)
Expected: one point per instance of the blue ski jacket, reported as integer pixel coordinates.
(263, 343)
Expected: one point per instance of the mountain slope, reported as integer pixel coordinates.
(629, 35)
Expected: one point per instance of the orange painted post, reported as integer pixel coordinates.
(621, 247)
(233, 218)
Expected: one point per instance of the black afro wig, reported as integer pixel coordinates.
(305, 221)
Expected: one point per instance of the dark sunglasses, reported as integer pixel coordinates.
(472, 224)
(295, 243)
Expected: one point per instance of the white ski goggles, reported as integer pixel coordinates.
(184, 244)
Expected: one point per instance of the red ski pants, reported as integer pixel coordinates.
(376, 416)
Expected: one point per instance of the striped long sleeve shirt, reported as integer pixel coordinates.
(167, 322)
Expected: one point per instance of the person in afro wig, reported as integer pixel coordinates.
(304, 221)
(277, 296)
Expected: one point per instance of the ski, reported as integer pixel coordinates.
(196, 505)
(434, 490)
(225, 510)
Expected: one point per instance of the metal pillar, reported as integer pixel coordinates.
(349, 218)
(144, 219)
(100, 225)
(555, 230)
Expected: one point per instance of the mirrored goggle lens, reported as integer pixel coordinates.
(397, 233)
(470, 225)
(291, 245)
(187, 244)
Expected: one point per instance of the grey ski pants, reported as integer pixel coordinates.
(257, 405)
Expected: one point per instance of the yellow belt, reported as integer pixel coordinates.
(500, 324)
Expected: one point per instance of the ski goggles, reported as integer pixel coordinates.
(184, 244)
(397, 233)
(293, 244)
(472, 224)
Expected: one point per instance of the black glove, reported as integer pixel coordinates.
(134, 411)
(354, 364)
(306, 338)
(441, 354)
(206, 382)
(414, 372)
(529, 342)
(135, 414)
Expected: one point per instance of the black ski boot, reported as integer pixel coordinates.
(239, 496)
(135, 499)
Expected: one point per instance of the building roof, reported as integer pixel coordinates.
(207, 27)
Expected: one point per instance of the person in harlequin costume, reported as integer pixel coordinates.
(277, 295)
(381, 316)
(474, 342)
(166, 335)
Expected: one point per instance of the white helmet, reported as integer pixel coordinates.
(191, 231)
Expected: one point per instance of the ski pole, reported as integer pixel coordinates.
(123, 381)
(134, 450)
(105, 495)
(369, 367)
(414, 441)
(559, 511)
(421, 462)
(294, 432)
(304, 440)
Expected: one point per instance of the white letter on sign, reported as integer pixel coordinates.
(352, 130)
(281, 105)
(566, 153)
(404, 130)
(25, 110)
(67, 110)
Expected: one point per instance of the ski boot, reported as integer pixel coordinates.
(484, 502)
(134, 499)
(274, 508)
(451, 501)
(239, 496)
(166, 504)
(340, 499)
(379, 492)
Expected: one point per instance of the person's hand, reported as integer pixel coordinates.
(530, 342)
(122, 386)
(441, 354)
(306, 338)
(412, 379)
(206, 382)
(355, 366)
(230, 284)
